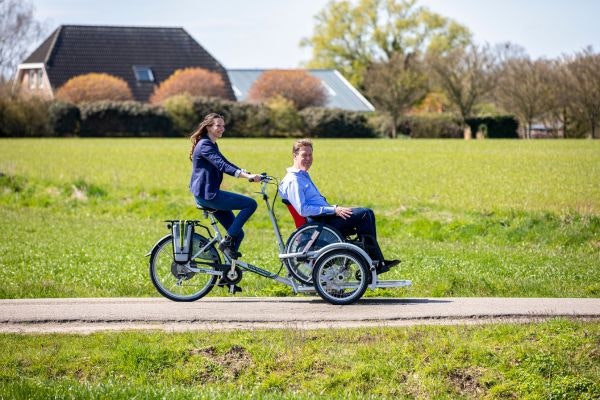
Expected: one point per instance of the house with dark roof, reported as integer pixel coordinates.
(142, 56)
(340, 92)
(146, 56)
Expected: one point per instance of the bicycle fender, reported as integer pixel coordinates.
(156, 245)
(344, 246)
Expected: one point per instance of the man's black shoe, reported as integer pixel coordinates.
(387, 265)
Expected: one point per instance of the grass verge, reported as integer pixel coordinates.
(556, 359)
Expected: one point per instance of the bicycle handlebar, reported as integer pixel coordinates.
(263, 178)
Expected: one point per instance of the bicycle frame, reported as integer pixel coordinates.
(216, 237)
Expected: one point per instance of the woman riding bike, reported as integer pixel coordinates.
(208, 166)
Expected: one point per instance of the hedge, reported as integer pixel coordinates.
(65, 118)
(34, 117)
(430, 126)
(335, 123)
(497, 127)
(126, 118)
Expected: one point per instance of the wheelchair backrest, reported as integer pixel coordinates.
(299, 220)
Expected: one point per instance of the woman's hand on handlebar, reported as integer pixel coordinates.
(254, 177)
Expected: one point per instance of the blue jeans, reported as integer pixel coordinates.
(225, 202)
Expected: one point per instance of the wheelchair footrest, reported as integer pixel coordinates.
(392, 284)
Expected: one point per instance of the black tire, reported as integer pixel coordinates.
(340, 276)
(302, 269)
(175, 281)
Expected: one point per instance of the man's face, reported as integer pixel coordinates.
(304, 158)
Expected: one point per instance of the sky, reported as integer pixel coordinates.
(267, 33)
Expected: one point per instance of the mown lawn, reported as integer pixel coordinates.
(558, 359)
(478, 218)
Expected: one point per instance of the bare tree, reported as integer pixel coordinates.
(467, 76)
(584, 87)
(396, 85)
(525, 90)
(18, 29)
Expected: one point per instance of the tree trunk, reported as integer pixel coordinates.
(467, 134)
(394, 124)
(564, 121)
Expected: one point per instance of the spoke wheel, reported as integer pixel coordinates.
(301, 269)
(340, 276)
(176, 281)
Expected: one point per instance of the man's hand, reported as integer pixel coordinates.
(343, 212)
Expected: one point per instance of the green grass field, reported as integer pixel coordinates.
(558, 359)
(478, 218)
(489, 218)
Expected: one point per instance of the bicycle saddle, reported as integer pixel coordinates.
(207, 209)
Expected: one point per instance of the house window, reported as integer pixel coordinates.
(32, 79)
(40, 78)
(143, 74)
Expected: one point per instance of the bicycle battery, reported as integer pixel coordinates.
(182, 240)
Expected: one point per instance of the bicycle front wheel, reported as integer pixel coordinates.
(176, 281)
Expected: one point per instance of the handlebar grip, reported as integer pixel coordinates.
(263, 178)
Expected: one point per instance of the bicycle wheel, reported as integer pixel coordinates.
(340, 276)
(176, 281)
(301, 269)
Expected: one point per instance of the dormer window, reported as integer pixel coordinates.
(143, 74)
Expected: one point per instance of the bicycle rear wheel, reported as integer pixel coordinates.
(176, 281)
(301, 269)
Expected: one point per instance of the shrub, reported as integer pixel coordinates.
(333, 123)
(430, 126)
(128, 118)
(180, 109)
(501, 126)
(193, 81)
(297, 86)
(22, 116)
(285, 119)
(65, 118)
(241, 119)
(94, 87)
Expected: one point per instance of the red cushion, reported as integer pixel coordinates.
(299, 220)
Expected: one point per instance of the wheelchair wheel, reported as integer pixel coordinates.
(301, 268)
(176, 281)
(340, 276)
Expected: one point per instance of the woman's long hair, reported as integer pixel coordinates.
(201, 130)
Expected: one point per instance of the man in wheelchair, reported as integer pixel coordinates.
(299, 190)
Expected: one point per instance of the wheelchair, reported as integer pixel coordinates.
(313, 236)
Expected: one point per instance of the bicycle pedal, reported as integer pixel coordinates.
(233, 289)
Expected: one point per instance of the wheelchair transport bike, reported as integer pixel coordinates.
(185, 265)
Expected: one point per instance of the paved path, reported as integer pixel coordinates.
(92, 314)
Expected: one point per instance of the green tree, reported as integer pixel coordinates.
(396, 85)
(349, 36)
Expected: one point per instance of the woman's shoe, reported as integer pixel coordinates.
(227, 247)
